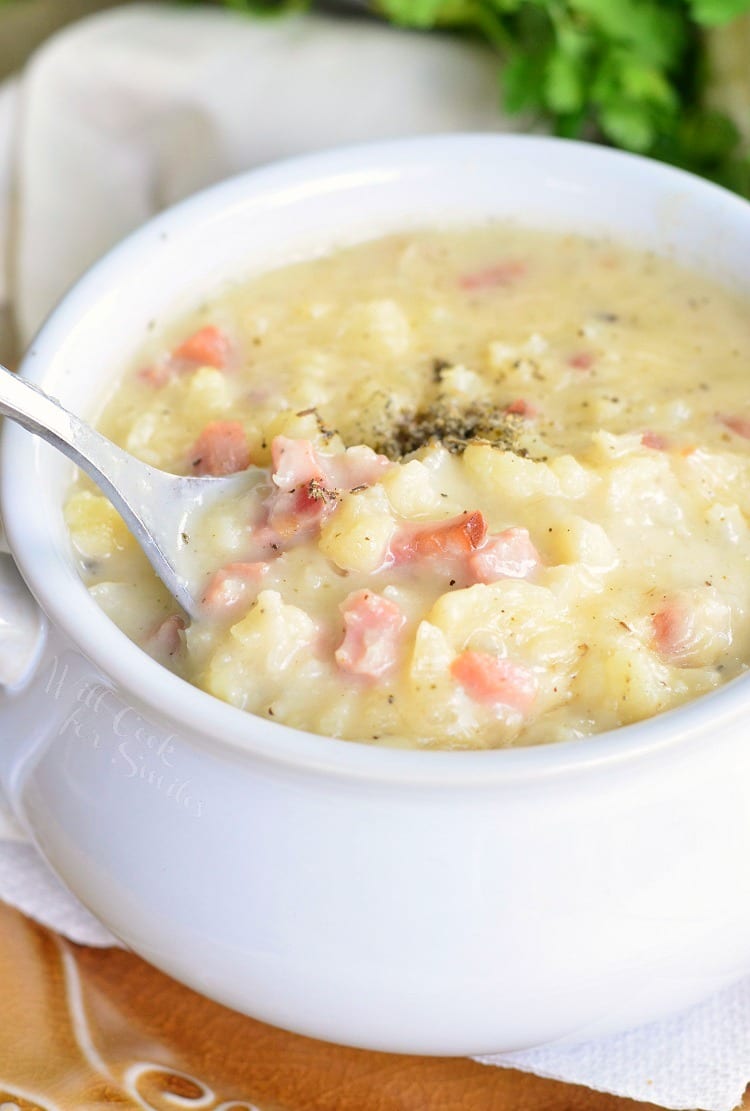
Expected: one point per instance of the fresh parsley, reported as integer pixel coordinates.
(634, 73)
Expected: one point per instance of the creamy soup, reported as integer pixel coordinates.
(506, 493)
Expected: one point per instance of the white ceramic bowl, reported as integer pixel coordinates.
(416, 901)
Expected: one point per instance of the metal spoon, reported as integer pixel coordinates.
(160, 509)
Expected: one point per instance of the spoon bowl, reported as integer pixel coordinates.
(161, 510)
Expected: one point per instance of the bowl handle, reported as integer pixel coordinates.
(22, 629)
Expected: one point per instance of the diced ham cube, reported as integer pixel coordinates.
(581, 360)
(221, 449)
(295, 463)
(307, 483)
(302, 498)
(165, 641)
(493, 277)
(371, 641)
(457, 537)
(298, 512)
(739, 425)
(655, 441)
(231, 585)
(507, 555)
(522, 408)
(155, 375)
(356, 467)
(494, 681)
(208, 347)
(674, 629)
(692, 628)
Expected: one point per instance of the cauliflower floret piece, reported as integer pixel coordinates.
(728, 522)
(96, 528)
(511, 474)
(606, 446)
(576, 540)
(715, 475)
(624, 680)
(357, 535)
(207, 392)
(410, 490)
(381, 323)
(510, 617)
(575, 480)
(641, 489)
(432, 709)
(256, 657)
(460, 383)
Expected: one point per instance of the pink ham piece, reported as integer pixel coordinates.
(231, 585)
(207, 347)
(221, 449)
(493, 277)
(581, 360)
(355, 467)
(294, 463)
(507, 555)
(371, 641)
(166, 640)
(156, 375)
(522, 408)
(655, 441)
(494, 681)
(302, 498)
(674, 631)
(739, 425)
(308, 483)
(456, 537)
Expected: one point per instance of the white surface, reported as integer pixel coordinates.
(129, 111)
(700, 1060)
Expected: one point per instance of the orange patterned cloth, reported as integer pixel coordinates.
(95, 1029)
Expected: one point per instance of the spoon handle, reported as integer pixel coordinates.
(32, 408)
(41, 414)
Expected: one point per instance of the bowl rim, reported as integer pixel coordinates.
(207, 719)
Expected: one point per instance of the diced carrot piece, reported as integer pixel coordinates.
(371, 641)
(221, 449)
(655, 441)
(522, 408)
(208, 346)
(457, 537)
(494, 681)
(581, 360)
(495, 276)
(230, 584)
(739, 425)
(508, 555)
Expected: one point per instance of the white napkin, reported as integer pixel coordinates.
(128, 111)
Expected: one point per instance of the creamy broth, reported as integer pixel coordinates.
(507, 496)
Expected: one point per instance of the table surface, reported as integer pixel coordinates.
(100, 1028)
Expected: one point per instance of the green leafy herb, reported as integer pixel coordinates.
(634, 73)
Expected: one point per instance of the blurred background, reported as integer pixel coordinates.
(24, 24)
